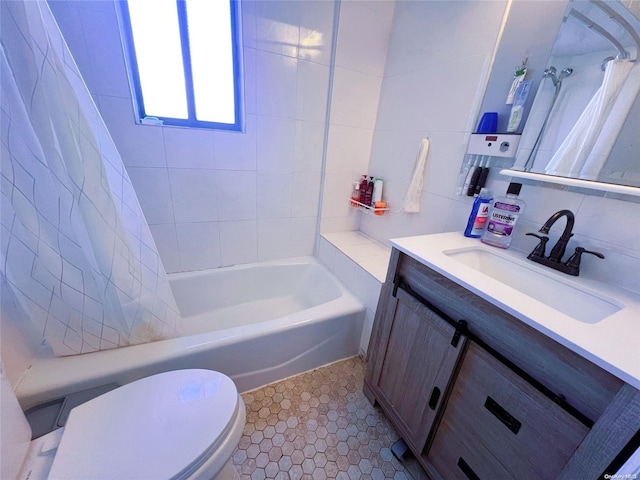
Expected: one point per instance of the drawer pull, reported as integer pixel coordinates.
(502, 415)
(466, 469)
(435, 396)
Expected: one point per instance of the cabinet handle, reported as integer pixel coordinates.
(502, 415)
(435, 396)
(466, 469)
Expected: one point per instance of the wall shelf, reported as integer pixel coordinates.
(573, 182)
(367, 208)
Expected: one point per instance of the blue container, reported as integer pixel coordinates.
(488, 123)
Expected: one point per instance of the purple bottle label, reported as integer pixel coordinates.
(503, 218)
(509, 207)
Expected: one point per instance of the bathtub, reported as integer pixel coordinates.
(256, 323)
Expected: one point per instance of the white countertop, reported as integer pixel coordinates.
(613, 343)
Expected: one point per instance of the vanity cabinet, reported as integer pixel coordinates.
(509, 401)
(421, 351)
(497, 425)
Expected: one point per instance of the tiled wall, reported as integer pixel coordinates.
(361, 49)
(431, 89)
(438, 59)
(219, 198)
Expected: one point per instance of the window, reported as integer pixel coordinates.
(183, 58)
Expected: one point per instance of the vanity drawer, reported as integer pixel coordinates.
(496, 425)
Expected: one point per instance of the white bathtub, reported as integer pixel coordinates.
(256, 323)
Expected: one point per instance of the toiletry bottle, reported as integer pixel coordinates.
(502, 218)
(479, 214)
(517, 110)
(363, 188)
(369, 193)
(355, 194)
(377, 191)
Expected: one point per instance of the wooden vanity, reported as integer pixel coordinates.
(478, 394)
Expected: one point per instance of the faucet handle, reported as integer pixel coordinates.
(574, 260)
(539, 251)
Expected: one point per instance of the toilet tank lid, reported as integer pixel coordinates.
(156, 428)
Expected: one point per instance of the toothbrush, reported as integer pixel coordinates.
(468, 173)
(482, 180)
(473, 181)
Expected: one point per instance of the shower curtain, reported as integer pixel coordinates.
(76, 251)
(576, 157)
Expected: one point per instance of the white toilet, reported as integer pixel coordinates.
(183, 424)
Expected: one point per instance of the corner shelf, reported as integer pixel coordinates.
(367, 208)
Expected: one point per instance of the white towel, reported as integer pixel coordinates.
(411, 202)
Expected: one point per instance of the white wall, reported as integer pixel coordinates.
(438, 56)
(363, 37)
(438, 61)
(219, 198)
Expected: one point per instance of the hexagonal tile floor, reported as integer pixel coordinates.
(315, 426)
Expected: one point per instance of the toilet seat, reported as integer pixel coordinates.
(160, 427)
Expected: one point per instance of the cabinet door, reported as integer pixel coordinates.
(418, 362)
(496, 425)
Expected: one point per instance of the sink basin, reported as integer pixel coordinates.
(565, 297)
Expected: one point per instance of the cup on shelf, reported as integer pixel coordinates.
(488, 123)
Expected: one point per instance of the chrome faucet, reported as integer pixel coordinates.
(554, 260)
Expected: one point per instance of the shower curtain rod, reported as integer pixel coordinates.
(622, 53)
(620, 20)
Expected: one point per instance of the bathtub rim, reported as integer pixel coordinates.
(49, 378)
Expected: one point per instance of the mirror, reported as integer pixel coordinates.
(585, 122)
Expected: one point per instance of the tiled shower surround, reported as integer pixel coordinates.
(317, 425)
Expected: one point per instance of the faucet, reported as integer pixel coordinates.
(554, 260)
(559, 248)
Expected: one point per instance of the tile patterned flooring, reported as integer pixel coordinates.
(315, 426)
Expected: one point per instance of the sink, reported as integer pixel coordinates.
(581, 304)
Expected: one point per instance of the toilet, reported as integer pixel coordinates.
(182, 424)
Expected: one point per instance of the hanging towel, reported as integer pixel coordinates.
(612, 126)
(411, 202)
(572, 155)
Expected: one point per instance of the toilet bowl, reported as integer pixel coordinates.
(183, 424)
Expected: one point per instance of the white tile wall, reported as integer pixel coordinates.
(194, 194)
(361, 51)
(276, 144)
(188, 148)
(199, 245)
(423, 95)
(236, 193)
(237, 150)
(354, 98)
(276, 84)
(222, 198)
(239, 242)
(148, 181)
(275, 194)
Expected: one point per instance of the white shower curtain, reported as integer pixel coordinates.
(612, 126)
(77, 253)
(577, 150)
